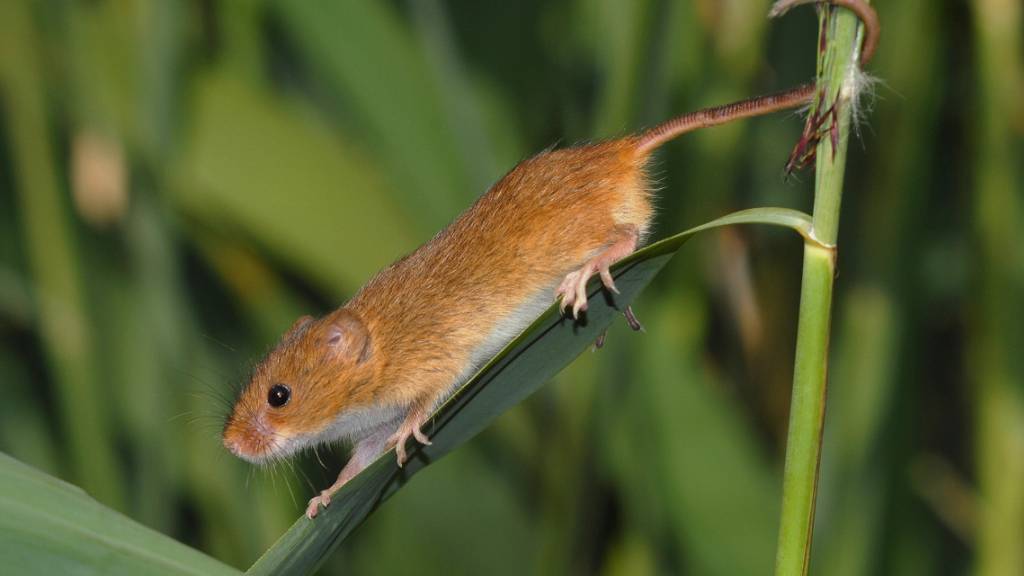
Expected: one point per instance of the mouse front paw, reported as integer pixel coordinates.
(410, 428)
(324, 499)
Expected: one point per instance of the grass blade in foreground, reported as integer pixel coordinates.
(539, 353)
(51, 527)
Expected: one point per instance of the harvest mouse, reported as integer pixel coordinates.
(372, 372)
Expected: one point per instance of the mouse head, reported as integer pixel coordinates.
(301, 387)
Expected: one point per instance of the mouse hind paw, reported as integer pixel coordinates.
(572, 292)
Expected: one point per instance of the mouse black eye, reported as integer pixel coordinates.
(279, 395)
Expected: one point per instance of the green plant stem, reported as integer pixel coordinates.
(810, 371)
(807, 412)
(64, 329)
(997, 381)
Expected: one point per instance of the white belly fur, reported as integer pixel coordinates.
(504, 331)
(353, 425)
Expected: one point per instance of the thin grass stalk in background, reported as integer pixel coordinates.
(879, 315)
(995, 323)
(837, 79)
(64, 328)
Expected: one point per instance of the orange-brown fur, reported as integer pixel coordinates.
(538, 223)
(314, 372)
(427, 312)
(371, 371)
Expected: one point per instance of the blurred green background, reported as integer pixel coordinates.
(180, 180)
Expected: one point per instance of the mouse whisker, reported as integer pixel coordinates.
(316, 452)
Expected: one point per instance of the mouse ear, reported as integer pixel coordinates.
(346, 336)
(299, 325)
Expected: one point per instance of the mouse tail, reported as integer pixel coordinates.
(795, 98)
(651, 139)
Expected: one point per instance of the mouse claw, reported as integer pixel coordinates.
(420, 436)
(632, 320)
(409, 428)
(324, 499)
(580, 301)
(579, 306)
(607, 280)
(400, 455)
(566, 292)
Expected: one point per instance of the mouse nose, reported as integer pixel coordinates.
(249, 439)
(231, 444)
(234, 439)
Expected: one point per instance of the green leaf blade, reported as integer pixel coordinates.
(51, 527)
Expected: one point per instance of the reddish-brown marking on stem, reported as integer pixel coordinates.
(804, 151)
(860, 8)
